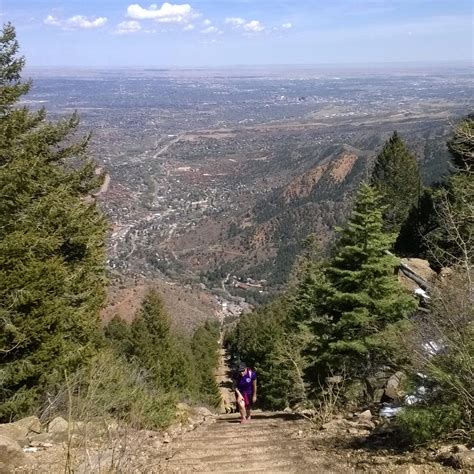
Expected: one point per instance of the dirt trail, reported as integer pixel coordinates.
(270, 442)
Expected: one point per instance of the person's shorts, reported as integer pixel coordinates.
(247, 399)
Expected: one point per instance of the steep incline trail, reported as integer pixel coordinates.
(271, 442)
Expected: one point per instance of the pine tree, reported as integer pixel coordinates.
(461, 145)
(118, 334)
(397, 177)
(151, 339)
(52, 245)
(205, 347)
(360, 296)
(451, 243)
(166, 358)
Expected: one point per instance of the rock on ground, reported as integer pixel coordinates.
(11, 454)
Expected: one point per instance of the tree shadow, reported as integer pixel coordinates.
(265, 416)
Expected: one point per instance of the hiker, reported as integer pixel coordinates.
(245, 386)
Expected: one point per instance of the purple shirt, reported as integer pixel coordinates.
(245, 382)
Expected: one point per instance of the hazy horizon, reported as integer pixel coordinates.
(212, 33)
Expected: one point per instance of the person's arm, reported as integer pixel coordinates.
(254, 391)
(236, 390)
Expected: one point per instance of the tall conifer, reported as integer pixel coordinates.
(167, 359)
(52, 236)
(452, 242)
(397, 177)
(360, 296)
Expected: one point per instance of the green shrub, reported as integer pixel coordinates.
(422, 424)
(111, 388)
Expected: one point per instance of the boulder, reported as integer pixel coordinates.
(14, 432)
(31, 424)
(365, 416)
(464, 460)
(202, 411)
(376, 386)
(58, 425)
(460, 448)
(393, 386)
(19, 430)
(11, 454)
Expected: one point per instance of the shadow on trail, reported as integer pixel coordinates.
(263, 416)
(383, 439)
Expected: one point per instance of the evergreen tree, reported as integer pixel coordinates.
(397, 177)
(167, 358)
(118, 334)
(452, 241)
(52, 245)
(461, 144)
(151, 339)
(359, 297)
(205, 348)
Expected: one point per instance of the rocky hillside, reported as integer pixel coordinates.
(311, 203)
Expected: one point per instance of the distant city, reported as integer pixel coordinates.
(192, 155)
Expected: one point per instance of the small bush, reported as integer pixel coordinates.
(422, 424)
(111, 388)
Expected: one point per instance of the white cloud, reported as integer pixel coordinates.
(167, 13)
(188, 27)
(131, 26)
(239, 23)
(210, 30)
(286, 26)
(207, 22)
(51, 20)
(235, 21)
(253, 26)
(76, 22)
(80, 21)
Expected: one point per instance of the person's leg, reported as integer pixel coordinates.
(241, 407)
(248, 405)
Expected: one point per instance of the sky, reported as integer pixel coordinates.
(200, 33)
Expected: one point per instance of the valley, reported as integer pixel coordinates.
(215, 177)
